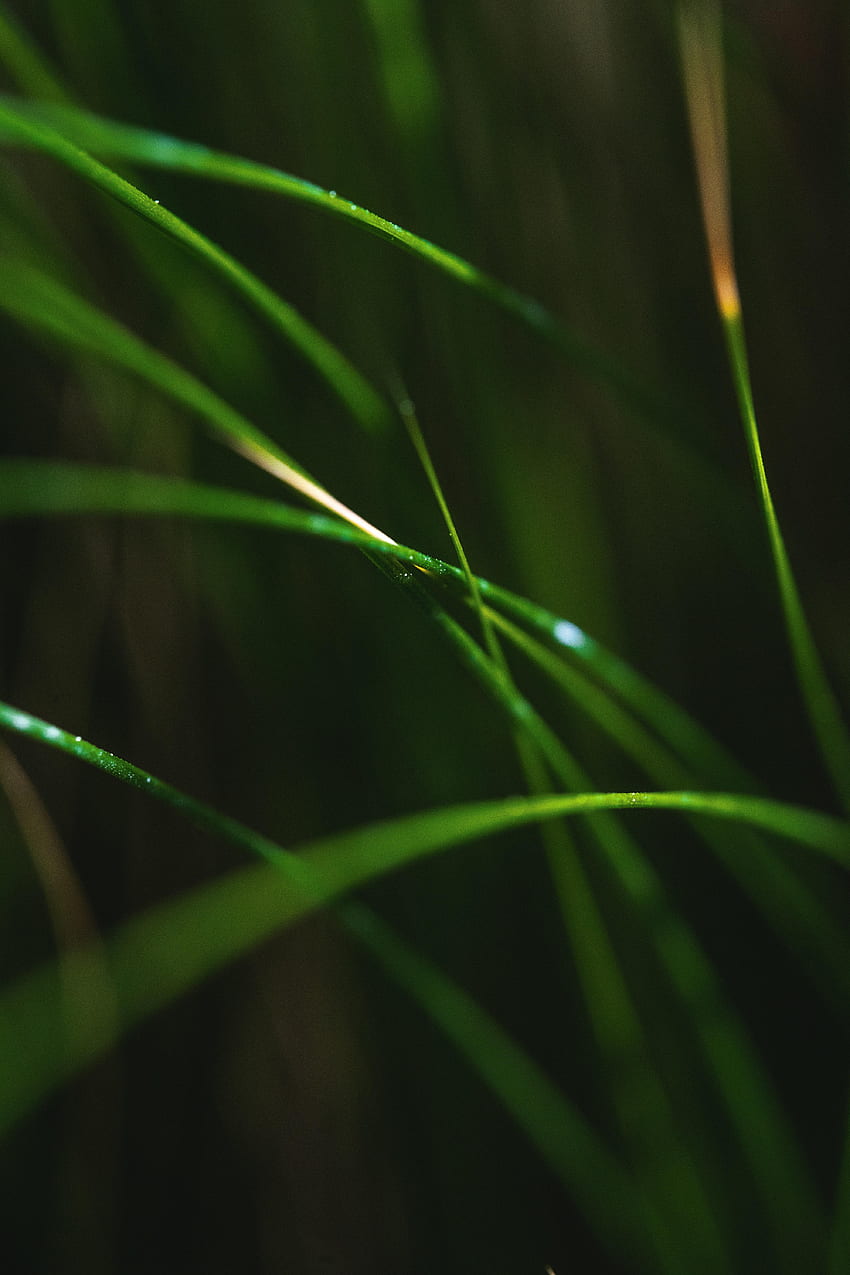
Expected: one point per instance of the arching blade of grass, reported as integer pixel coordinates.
(353, 389)
(353, 858)
(39, 300)
(785, 899)
(156, 957)
(116, 141)
(27, 487)
(334, 865)
(702, 58)
(36, 487)
(823, 834)
(33, 487)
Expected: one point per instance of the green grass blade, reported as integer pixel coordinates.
(348, 860)
(352, 388)
(19, 486)
(118, 141)
(784, 898)
(824, 714)
(679, 1217)
(702, 61)
(683, 1219)
(157, 957)
(143, 493)
(374, 850)
(38, 300)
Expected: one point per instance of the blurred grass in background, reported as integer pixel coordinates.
(297, 1113)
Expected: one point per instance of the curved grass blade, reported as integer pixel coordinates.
(37, 299)
(682, 1217)
(784, 898)
(353, 389)
(118, 141)
(27, 487)
(43, 301)
(156, 957)
(702, 59)
(343, 862)
(20, 487)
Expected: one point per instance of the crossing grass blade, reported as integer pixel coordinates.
(158, 956)
(38, 124)
(362, 400)
(683, 1226)
(47, 487)
(36, 299)
(786, 899)
(339, 864)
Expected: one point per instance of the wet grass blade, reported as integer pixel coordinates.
(117, 141)
(348, 860)
(353, 389)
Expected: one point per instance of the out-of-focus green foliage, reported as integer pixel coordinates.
(632, 1055)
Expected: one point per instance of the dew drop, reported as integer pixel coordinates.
(569, 634)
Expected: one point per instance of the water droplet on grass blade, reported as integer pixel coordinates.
(569, 634)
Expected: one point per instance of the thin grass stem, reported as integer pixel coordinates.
(702, 59)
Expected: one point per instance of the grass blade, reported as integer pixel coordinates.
(117, 141)
(38, 300)
(787, 901)
(674, 1193)
(149, 970)
(702, 59)
(352, 388)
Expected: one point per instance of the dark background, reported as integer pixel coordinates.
(297, 1114)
